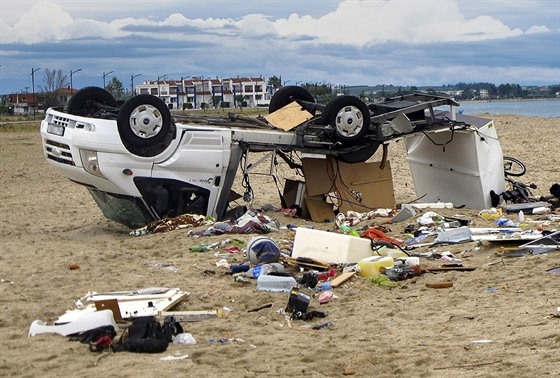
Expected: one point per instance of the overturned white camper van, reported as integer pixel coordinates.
(141, 163)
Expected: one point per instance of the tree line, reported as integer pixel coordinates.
(54, 80)
(464, 91)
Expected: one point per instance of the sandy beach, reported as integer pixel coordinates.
(494, 322)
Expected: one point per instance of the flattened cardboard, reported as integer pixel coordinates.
(289, 116)
(319, 210)
(373, 183)
(318, 176)
(110, 304)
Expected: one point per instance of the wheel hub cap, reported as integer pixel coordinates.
(349, 121)
(146, 121)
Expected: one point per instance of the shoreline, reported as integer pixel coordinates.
(514, 100)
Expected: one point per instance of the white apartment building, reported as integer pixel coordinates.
(199, 92)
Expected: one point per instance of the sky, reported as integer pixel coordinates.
(339, 42)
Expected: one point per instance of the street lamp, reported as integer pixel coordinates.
(286, 82)
(203, 91)
(159, 77)
(183, 91)
(72, 73)
(132, 83)
(33, 70)
(105, 75)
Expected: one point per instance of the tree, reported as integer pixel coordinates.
(239, 100)
(274, 82)
(53, 81)
(216, 101)
(115, 87)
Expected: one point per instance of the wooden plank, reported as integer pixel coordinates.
(339, 280)
(440, 285)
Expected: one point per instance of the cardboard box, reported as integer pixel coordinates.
(373, 184)
(350, 182)
(294, 192)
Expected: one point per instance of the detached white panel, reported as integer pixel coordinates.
(330, 247)
(460, 167)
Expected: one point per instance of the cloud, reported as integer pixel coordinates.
(28, 30)
(538, 29)
(343, 42)
(354, 22)
(47, 22)
(380, 21)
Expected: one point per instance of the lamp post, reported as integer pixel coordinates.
(132, 83)
(33, 70)
(203, 91)
(159, 77)
(72, 73)
(183, 91)
(105, 75)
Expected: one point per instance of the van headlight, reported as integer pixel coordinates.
(90, 162)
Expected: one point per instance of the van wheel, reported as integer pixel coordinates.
(87, 101)
(286, 95)
(350, 118)
(358, 155)
(145, 125)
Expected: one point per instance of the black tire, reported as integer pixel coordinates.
(513, 167)
(350, 118)
(86, 101)
(286, 95)
(145, 125)
(358, 155)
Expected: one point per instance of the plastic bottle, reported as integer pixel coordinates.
(347, 230)
(324, 276)
(540, 210)
(199, 248)
(407, 261)
(504, 222)
(392, 252)
(370, 266)
(264, 269)
(521, 216)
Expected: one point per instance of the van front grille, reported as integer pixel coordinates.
(59, 152)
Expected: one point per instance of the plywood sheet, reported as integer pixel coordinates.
(289, 116)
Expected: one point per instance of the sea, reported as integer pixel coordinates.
(532, 108)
